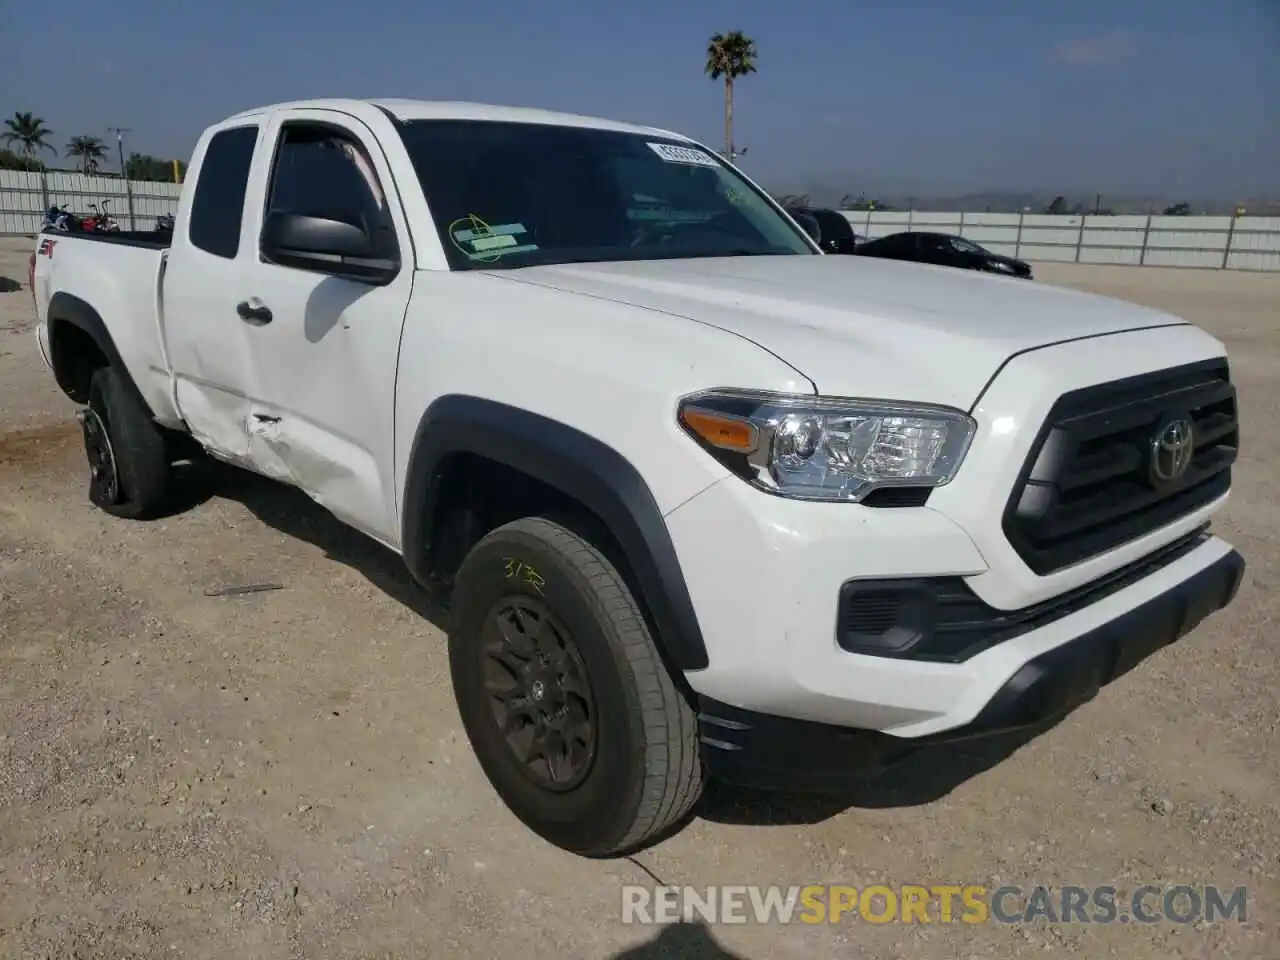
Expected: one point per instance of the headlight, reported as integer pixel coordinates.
(813, 448)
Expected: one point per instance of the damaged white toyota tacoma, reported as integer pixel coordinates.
(703, 502)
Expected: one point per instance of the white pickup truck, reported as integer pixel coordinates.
(703, 501)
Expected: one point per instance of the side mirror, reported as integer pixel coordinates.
(809, 224)
(335, 243)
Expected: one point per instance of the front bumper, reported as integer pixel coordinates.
(772, 578)
(760, 750)
(766, 587)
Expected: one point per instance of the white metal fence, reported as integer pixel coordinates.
(24, 197)
(1231, 243)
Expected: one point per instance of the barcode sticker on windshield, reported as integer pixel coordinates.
(674, 154)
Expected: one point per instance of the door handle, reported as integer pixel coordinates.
(253, 310)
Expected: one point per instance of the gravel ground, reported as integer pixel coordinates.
(284, 774)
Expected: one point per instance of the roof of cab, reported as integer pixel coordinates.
(461, 110)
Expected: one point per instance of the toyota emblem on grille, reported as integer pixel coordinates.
(1172, 448)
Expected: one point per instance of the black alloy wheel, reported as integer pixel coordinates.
(564, 695)
(541, 696)
(104, 477)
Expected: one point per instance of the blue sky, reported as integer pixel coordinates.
(1171, 96)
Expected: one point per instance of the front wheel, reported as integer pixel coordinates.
(567, 705)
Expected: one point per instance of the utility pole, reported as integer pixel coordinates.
(120, 132)
(128, 190)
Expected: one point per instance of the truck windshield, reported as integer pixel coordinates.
(506, 195)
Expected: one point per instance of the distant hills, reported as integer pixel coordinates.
(999, 201)
(1014, 201)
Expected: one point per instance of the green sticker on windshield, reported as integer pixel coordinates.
(485, 243)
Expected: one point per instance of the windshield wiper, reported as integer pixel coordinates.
(551, 258)
(712, 254)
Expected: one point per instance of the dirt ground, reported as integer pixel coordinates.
(283, 775)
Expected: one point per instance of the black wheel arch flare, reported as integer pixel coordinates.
(573, 463)
(66, 308)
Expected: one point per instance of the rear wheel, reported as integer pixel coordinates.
(129, 467)
(570, 710)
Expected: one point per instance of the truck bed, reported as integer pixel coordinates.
(151, 239)
(118, 276)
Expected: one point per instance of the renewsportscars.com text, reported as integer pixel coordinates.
(942, 904)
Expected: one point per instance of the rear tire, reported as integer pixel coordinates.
(542, 617)
(129, 469)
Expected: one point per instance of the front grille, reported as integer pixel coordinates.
(1088, 484)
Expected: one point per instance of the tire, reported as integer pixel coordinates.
(130, 471)
(644, 772)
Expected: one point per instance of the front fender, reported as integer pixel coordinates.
(579, 466)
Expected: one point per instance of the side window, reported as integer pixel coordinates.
(321, 171)
(217, 208)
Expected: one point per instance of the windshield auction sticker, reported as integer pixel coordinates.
(480, 241)
(675, 154)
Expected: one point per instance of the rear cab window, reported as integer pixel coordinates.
(217, 209)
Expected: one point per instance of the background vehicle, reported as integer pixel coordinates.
(663, 459)
(60, 219)
(835, 232)
(943, 249)
(100, 219)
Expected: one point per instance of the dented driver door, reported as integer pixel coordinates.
(324, 347)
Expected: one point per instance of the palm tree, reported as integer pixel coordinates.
(730, 56)
(89, 151)
(29, 132)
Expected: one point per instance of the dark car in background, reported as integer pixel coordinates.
(835, 232)
(943, 249)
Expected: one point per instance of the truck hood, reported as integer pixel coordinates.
(860, 326)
